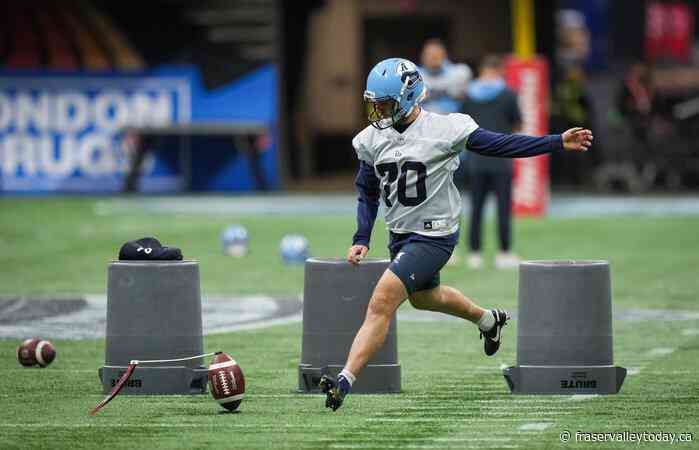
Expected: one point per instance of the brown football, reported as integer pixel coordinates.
(36, 352)
(226, 381)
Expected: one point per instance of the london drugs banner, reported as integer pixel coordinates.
(63, 133)
(530, 185)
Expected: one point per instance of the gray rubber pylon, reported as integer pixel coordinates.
(154, 312)
(564, 330)
(335, 299)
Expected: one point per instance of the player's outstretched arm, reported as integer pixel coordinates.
(367, 207)
(489, 143)
(577, 139)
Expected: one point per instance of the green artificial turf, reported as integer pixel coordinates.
(453, 396)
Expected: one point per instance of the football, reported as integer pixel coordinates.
(36, 352)
(226, 381)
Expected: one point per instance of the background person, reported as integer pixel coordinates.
(446, 82)
(495, 107)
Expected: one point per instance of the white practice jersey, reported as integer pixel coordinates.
(416, 170)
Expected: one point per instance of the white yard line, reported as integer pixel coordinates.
(535, 426)
(404, 445)
(458, 420)
(583, 397)
(428, 438)
(660, 351)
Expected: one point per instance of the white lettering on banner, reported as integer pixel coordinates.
(111, 111)
(57, 163)
(71, 112)
(5, 112)
(527, 193)
(19, 154)
(96, 157)
(529, 102)
(32, 112)
(146, 110)
(50, 127)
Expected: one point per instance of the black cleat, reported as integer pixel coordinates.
(335, 395)
(494, 335)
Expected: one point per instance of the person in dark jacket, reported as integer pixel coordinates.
(495, 105)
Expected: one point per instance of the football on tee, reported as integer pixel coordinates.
(226, 381)
(35, 352)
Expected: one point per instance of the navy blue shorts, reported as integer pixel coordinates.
(417, 259)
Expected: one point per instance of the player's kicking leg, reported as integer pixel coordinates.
(450, 301)
(388, 295)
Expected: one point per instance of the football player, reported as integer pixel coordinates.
(407, 157)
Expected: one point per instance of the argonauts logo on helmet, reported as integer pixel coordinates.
(405, 66)
(407, 70)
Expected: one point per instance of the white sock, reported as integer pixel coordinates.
(486, 322)
(349, 376)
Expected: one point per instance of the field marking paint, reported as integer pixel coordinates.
(460, 419)
(28, 369)
(413, 438)
(632, 371)
(219, 315)
(223, 315)
(522, 400)
(535, 426)
(403, 445)
(272, 426)
(583, 397)
(531, 413)
(660, 351)
(542, 406)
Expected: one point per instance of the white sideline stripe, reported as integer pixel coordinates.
(232, 398)
(223, 364)
(631, 371)
(661, 351)
(690, 332)
(583, 397)
(535, 426)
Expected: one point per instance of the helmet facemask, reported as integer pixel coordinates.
(382, 112)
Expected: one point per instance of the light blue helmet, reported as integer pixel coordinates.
(394, 88)
(234, 240)
(294, 249)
